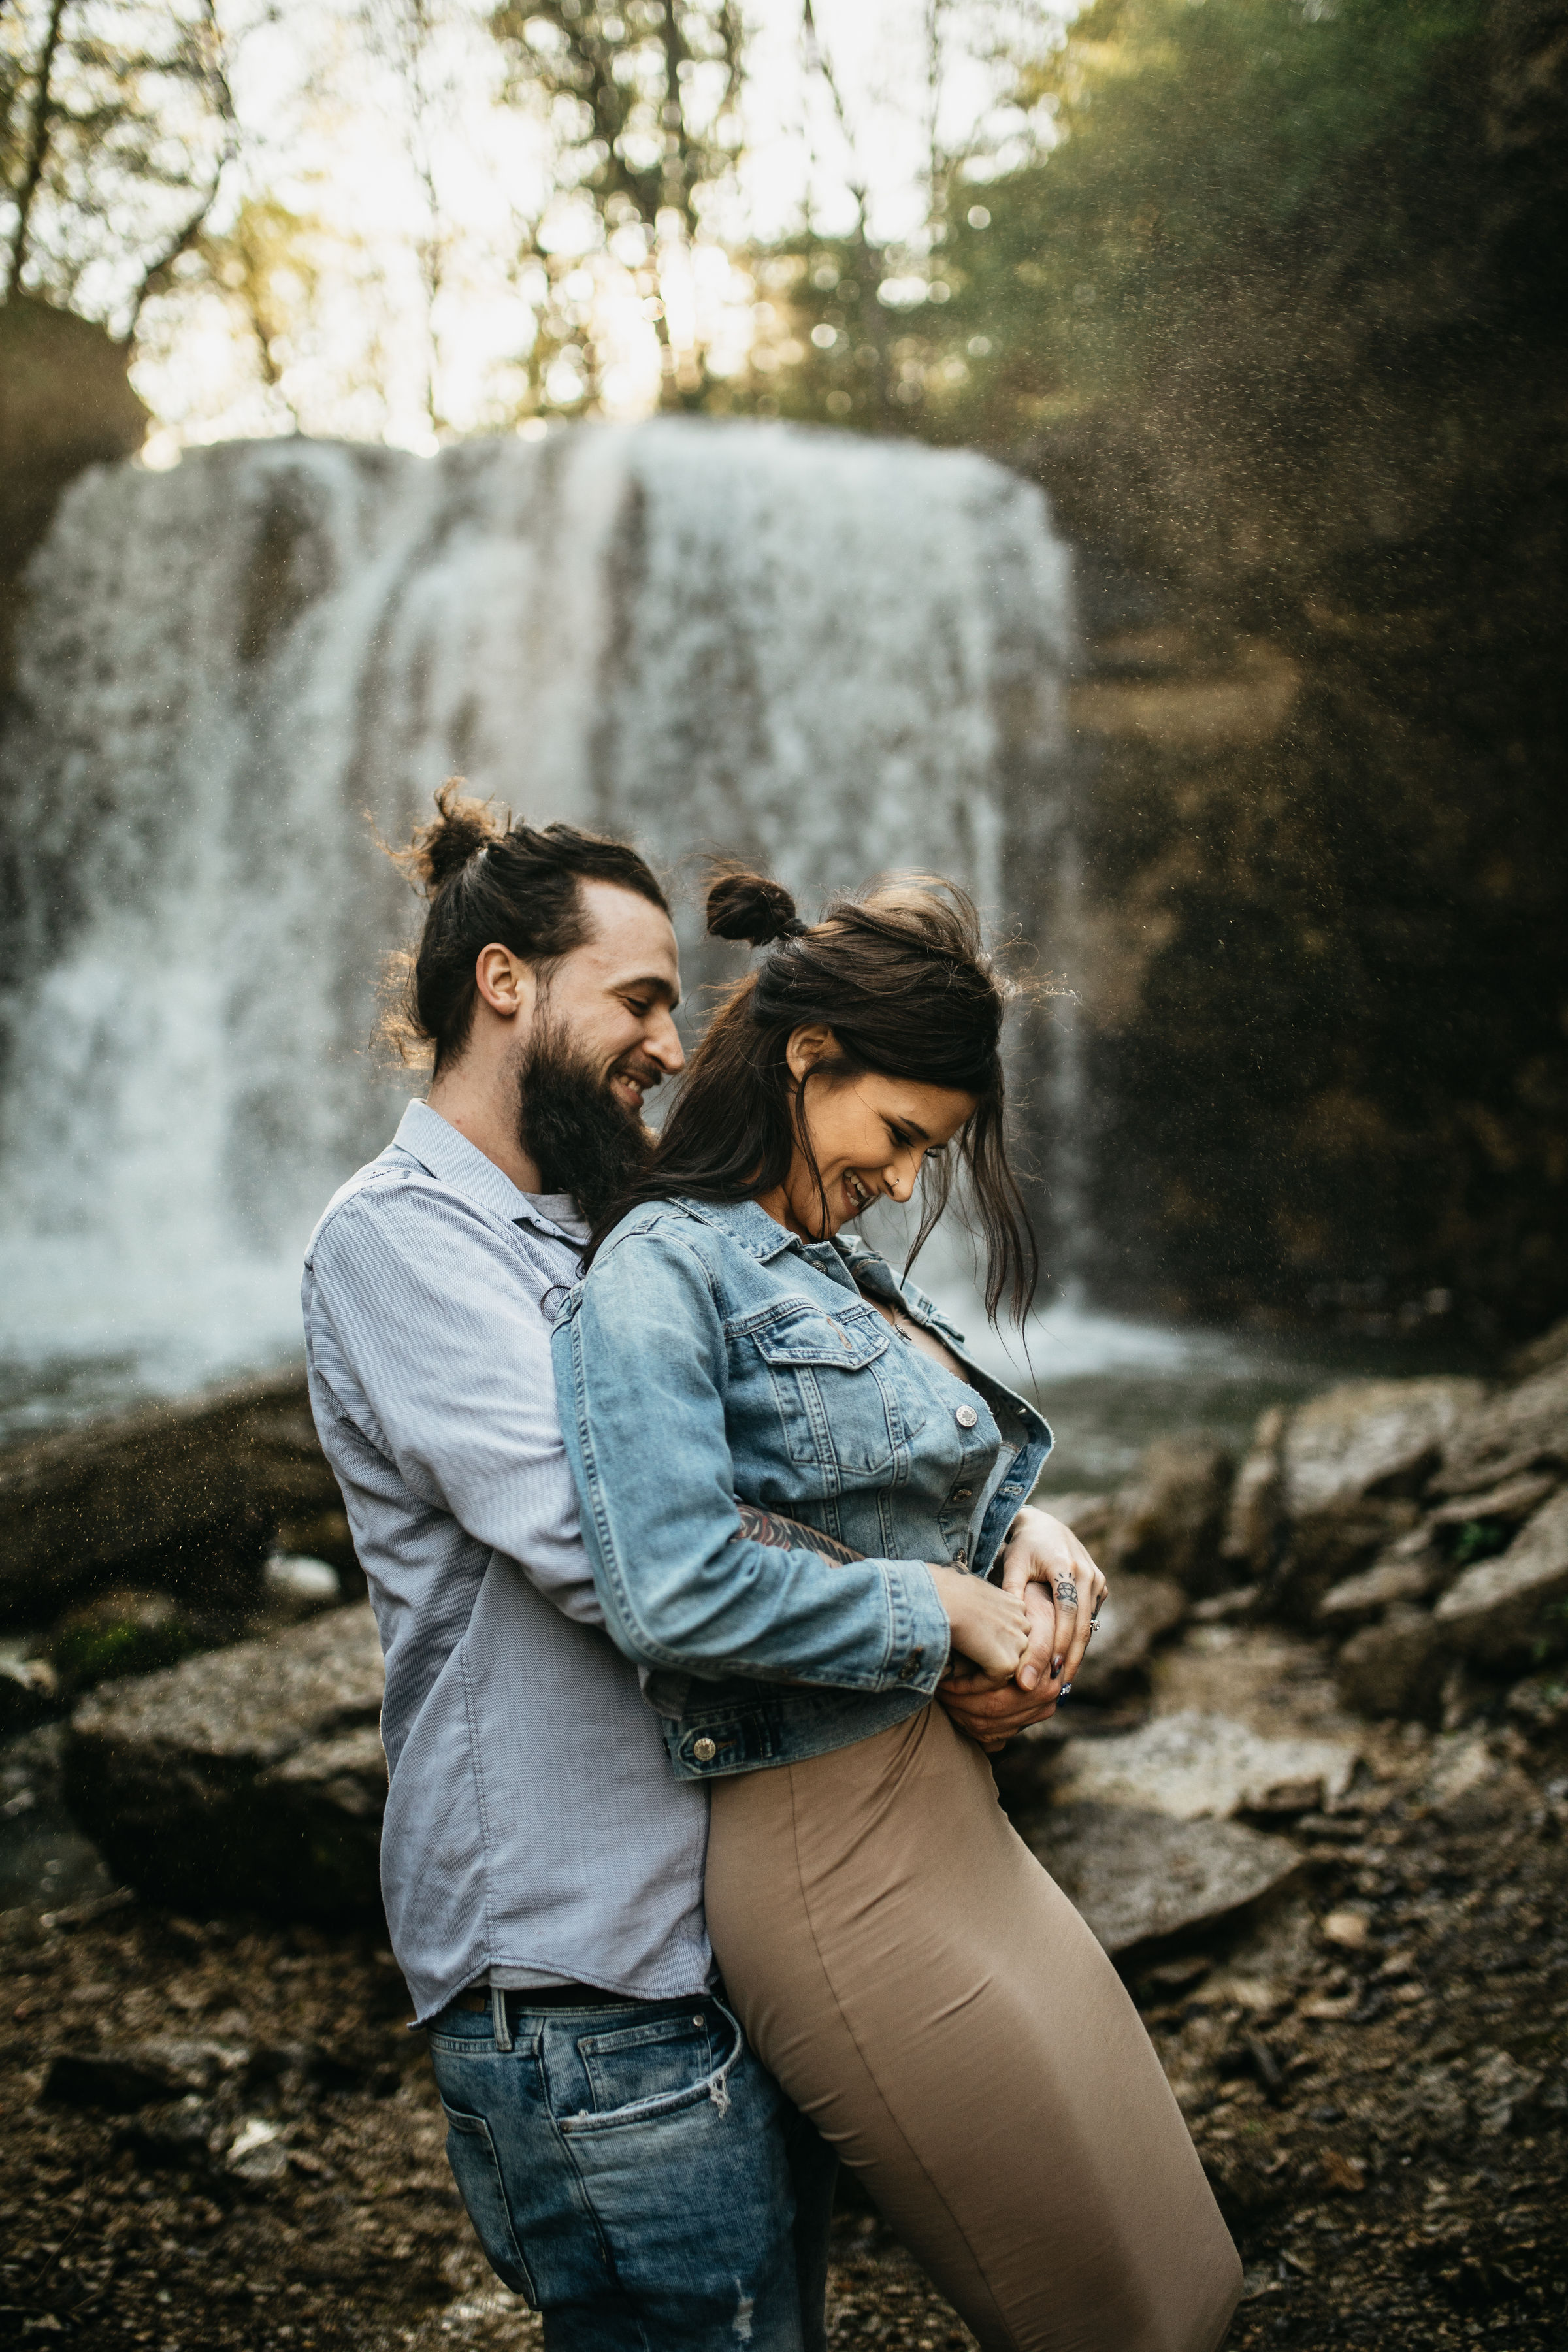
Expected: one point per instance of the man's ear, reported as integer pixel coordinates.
(505, 982)
(806, 1047)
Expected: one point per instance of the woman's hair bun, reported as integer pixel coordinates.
(750, 906)
(444, 847)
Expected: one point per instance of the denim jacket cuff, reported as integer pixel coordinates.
(918, 1641)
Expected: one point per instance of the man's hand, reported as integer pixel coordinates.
(1061, 1588)
(990, 1712)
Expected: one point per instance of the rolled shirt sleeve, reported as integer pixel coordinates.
(639, 1366)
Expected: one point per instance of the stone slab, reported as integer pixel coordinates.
(1522, 1429)
(252, 1778)
(1137, 1612)
(211, 1474)
(1190, 1765)
(1515, 1607)
(1136, 1876)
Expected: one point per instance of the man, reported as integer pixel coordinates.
(626, 2163)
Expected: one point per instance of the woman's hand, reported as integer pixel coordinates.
(1043, 1552)
(990, 1626)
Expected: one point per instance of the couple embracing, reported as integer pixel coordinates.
(706, 1575)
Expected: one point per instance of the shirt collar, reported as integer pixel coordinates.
(449, 1157)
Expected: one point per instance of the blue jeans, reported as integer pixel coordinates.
(636, 2174)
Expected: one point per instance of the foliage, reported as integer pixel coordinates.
(1183, 147)
(640, 99)
(116, 124)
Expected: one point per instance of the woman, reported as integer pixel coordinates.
(899, 1960)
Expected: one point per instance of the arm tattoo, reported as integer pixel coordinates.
(791, 1535)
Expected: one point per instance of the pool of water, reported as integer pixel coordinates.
(80, 1343)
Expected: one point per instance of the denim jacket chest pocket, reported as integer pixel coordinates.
(845, 1406)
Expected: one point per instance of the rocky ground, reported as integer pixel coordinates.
(1374, 2064)
(1310, 1792)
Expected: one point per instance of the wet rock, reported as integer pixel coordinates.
(1137, 1611)
(1514, 1609)
(141, 2074)
(1253, 1523)
(296, 1585)
(1359, 1601)
(1136, 1875)
(122, 1633)
(1522, 1429)
(1353, 1461)
(46, 1863)
(1505, 1505)
(192, 1491)
(1394, 1668)
(251, 1778)
(1189, 1765)
(1088, 1516)
(30, 1689)
(1170, 1518)
(1539, 1704)
(1539, 1355)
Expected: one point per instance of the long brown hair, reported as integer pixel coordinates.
(901, 978)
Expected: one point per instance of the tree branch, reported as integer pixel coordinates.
(38, 146)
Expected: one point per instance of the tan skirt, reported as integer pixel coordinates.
(927, 1995)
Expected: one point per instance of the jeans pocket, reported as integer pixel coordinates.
(655, 2061)
(650, 2071)
(476, 2169)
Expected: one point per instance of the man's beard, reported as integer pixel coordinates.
(582, 1140)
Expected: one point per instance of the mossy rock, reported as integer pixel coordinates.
(122, 1633)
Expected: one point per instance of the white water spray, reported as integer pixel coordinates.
(832, 654)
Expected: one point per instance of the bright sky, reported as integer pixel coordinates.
(331, 135)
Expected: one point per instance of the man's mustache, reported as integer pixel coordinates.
(646, 1074)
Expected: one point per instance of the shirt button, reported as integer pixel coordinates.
(962, 1493)
(705, 1751)
(966, 1416)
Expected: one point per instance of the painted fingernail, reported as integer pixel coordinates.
(1056, 1665)
(1066, 1691)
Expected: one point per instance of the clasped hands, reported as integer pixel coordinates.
(1049, 1577)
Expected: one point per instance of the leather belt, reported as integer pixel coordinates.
(566, 1995)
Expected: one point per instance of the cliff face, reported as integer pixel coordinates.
(1325, 972)
(65, 404)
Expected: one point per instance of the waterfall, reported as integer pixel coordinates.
(831, 654)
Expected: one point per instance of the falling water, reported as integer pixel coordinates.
(833, 655)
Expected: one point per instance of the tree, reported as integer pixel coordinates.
(118, 126)
(640, 100)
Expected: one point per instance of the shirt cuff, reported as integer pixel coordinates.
(918, 1632)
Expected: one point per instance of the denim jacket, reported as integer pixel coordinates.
(711, 1355)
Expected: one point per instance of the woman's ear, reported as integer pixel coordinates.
(806, 1047)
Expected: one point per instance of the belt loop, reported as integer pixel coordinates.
(498, 2018)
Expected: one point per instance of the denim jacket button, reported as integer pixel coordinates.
(966, 1416)
(704, 1750)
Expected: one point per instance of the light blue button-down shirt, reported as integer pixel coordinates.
(534, 1830)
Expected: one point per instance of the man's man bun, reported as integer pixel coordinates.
(749, 907)
(439, 850)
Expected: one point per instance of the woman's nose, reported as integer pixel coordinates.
(901, 1178)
